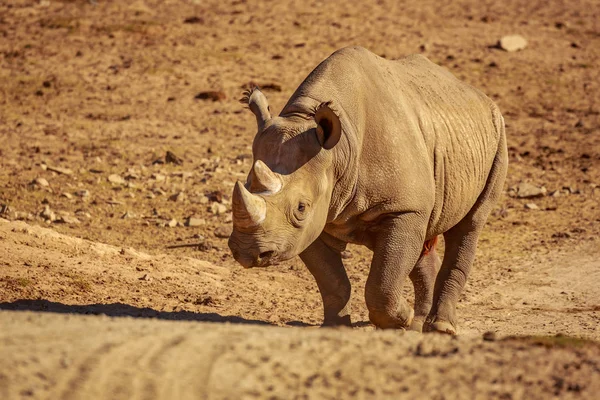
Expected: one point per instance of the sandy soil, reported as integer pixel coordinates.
(94, 215)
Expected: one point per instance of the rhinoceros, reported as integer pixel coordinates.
(388, 154)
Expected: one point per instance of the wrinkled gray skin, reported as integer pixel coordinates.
(386, 154)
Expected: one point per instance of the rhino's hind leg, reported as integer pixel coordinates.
(423, 279)
(461, 244)
(398, 245)
(324, 261)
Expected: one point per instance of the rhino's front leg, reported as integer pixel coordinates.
(397, 248)
(324, 261)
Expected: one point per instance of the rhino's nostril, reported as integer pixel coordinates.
(266, 254)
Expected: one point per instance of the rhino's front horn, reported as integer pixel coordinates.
(248, 209)
(266, 180)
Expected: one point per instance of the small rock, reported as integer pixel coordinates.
(193, 20)
(177, 197)
(512, 43)
(173, 159)
(571, 190)
(218, 209)
(83, 213)
(21, 215)
(67, 195)
(490, 336)
(41, 182)
(194, 221)
(67, 219)
(346, 254)
(229, 218)
(554, 193)
(223, 231)
(58, 170)
(128, 214)
(204, 200)
(116, 179)
(217, 196)
(146, 277)
(172, 223)
(531, 206)
(83, 193)
(527, 191)
(48, 214)
(159, 177)
(211, 95)
(205, 246)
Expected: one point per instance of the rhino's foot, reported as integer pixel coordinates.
(384, 320)
(417, 324)
(441, 327)
(337, 321)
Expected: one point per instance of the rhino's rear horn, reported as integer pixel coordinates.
(249, 210)
(258, 104)
(265, 179)
(329, 128)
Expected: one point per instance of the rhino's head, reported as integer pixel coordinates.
(284, 204)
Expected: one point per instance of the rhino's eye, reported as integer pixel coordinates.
(301, 207)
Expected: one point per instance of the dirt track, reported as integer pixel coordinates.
(93, 96)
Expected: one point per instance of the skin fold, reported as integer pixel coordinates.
(385, 154)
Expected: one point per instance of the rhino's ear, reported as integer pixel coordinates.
(329, 128)
(258, 104)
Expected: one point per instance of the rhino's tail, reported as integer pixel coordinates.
(429, 246)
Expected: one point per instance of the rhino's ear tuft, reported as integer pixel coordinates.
(258, 104)
(329, 128)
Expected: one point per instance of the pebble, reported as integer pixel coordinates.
(531, 206)
(218, 209)
(195, 221)
(490, 336)
(83, 193)
(67, 219)
(223, 231)
(178, 197)
(67, 195)
(116, 179)
(128, 214)
(527, 191)
(173, 159)
(159, 177)
(48, 214)
(58, 170)
(41, 182)
(172, 223)
(512, 43)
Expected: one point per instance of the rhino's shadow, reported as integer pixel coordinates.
(123, 310)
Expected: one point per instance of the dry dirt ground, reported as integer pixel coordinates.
(97, 219)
